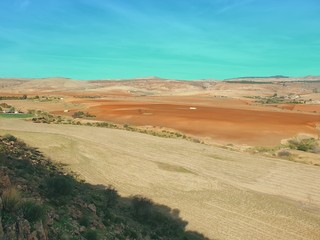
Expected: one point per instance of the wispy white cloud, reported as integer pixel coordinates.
(24, 4)
(223, 6)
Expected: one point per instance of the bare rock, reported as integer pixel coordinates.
(92, 207)
(33, 236)
(10, 233)
(39, 231)
(23, 229)
(1, 229)
(4, 179)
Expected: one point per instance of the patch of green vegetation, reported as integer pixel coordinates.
(91, 235)
(13, 115)
(43, 117)
(81, 114)
(23, 97)
(11, 199)
(306, 145)
(276, 99)
(32, 211)
(249, 82)
(271, 149)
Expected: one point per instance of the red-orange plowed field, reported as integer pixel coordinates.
(242, 124)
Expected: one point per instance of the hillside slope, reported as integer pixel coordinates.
(221, 193)
(40, 200)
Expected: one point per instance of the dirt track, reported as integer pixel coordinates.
(223, 194)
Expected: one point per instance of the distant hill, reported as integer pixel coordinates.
(143, 86)
(276, 76)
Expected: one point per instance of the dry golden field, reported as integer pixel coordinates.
(221, 193)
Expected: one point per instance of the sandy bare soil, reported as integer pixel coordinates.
(225, 123)
(221, 193)
(221, 120)
(216, 111)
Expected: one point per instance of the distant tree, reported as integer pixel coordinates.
(5, 105)
(78, 114)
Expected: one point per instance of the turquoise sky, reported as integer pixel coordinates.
(181, 39)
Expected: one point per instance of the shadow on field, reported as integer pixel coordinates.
(36, 191)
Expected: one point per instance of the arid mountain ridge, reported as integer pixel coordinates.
(150, 85)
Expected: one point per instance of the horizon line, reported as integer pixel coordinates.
(161, 78)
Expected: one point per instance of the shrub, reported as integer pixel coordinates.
(59, 186)
(91, 235)
(142, 208)
(11, 199)
(5, 105)
(84, 220)
(284, 153)
(78, 114)
(89, 115)
(306, 145)
(9, 138)
(32, 211)
(111, 196)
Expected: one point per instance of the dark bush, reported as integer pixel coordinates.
(284, 153)
(142, 208)
(91, 235)
(78, 114)
(111, 196)
(9, 138)
(32, 211)
(84, 220)
(11, 199)
(306, 145)
(59, 186)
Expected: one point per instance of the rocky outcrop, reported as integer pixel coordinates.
(93, 208)
(1, 228)
(4, 179)
(21, 229)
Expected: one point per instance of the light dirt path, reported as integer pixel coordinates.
(221, 193)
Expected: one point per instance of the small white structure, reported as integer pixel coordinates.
(66, 111)
(192, 108)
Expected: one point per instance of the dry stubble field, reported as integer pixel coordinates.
(223, 194)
